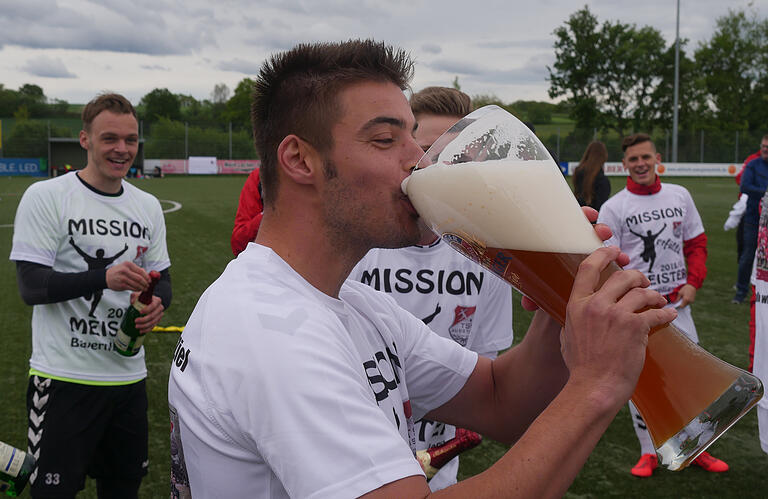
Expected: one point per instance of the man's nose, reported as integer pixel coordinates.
(414, 152)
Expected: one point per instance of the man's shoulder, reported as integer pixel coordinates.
(758, 162)
(615, 201)
(355, 291)
(52, 185)
(135, 192)
(676, 190)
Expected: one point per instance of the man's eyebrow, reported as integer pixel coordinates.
(115, 134)
(383, 120)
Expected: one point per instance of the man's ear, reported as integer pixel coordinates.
(298, 159)
(83, 140)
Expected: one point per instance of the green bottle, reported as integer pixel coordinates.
(128, 340)
(15, 468)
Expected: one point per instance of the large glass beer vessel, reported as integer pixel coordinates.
(491, 190)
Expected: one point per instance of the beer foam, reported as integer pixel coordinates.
(510, 204)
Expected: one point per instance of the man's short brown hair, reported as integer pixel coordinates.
(441, 101)
(297, 91)
(112, 102)
(634, 139)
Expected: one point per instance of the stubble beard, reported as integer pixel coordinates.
(350, 224)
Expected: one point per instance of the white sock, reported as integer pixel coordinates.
(646, 443)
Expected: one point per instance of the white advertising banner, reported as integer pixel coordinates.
(675, 169)
(203, 165)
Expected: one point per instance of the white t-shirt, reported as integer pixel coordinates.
(282, 391)
(456, 298)
(63, 224)
(651, 229)
(760, 280)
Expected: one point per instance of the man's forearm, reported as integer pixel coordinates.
(533, 371)
(548, 457)
(39, 284)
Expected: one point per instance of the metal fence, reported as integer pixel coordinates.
(695, 146)
(179, 140)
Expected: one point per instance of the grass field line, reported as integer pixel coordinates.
(175, 206)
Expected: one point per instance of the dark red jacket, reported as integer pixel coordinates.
(248, 216)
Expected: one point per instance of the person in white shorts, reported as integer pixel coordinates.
(658, 226)
(292, 381)
(454, 296)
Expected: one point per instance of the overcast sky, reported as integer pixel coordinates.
(74, 49)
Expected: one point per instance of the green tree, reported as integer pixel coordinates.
(22, 113)
(577, 62)
(540, 115)
(33, 98)
(693, 112)
(608, 73)
(193, 110)
(168, 141)
(480, 100)
(734, 66)
(238, 108)
(32, 92)
(29, 139)
(160, 103)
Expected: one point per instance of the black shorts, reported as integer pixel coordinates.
(77, 430)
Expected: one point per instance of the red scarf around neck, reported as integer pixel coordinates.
(643, 190)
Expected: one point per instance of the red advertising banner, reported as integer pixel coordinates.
(181, 166)
(168, 166)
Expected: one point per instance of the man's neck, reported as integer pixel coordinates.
(322, 264)
(91, 176)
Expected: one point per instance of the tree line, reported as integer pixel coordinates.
(618, 76)
(610, 77)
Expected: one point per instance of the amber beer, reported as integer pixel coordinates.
(520, 221)
(672, 360)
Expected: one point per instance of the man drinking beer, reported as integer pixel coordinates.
(299, 383)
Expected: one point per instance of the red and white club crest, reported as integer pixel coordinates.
(140, 251)
(677, 229)
(462, 324)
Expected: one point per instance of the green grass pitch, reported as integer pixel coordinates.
(198, 242)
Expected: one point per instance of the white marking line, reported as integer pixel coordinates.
(174, 206)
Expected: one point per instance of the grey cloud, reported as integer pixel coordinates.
(241, 66)
(534, 71)
(47, 67)
(110, 27)
(356, 10)
(431, 48)
(154, 67)
(252, 23)
(531, 43)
